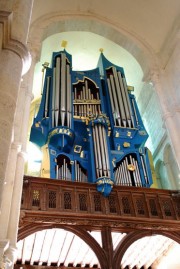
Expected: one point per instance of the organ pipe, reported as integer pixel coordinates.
(47, 96)
(127, 172)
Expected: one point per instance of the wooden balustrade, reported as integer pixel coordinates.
(126, 208)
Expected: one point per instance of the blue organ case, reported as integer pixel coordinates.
(92, 127)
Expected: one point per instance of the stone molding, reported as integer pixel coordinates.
(11, 44)
(141, 50)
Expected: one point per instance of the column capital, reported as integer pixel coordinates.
(11, 44)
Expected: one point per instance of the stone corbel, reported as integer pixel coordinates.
(12, 44)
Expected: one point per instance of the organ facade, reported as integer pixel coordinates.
(89, 126)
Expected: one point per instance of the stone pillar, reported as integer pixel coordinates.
(16, 200)
(15, 61)
(8, 190)
(171, 121)
(10, 75)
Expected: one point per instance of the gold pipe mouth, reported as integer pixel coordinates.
(131, 167)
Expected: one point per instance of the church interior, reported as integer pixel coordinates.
(89, 138)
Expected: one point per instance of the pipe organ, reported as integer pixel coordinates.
(90, 122)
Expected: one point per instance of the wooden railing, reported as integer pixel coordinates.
(126, 207)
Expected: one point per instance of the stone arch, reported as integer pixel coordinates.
(54, 23)
(82, 233)
(131, 237)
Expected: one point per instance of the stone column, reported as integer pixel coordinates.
(20, 138)
(10, 75)
(15, 61)
(8, 190)
(172, 122)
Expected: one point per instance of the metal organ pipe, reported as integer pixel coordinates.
(124, 96)
(106, 150)
(119, 97)
(127, 98)
(79, 173)
(138, 174)
(125, 176)
(63, 89)
(57, 89)
(47, 96)
(117, 112)
(120, 103)
(144, 169)
(111, 99)
(63, 172)
(100, 150)
(69, 109)
(53, 96)
(135, 113)
(85, 102)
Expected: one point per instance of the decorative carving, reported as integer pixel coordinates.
(117, 211)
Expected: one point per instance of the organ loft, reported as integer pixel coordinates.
(89, 126)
